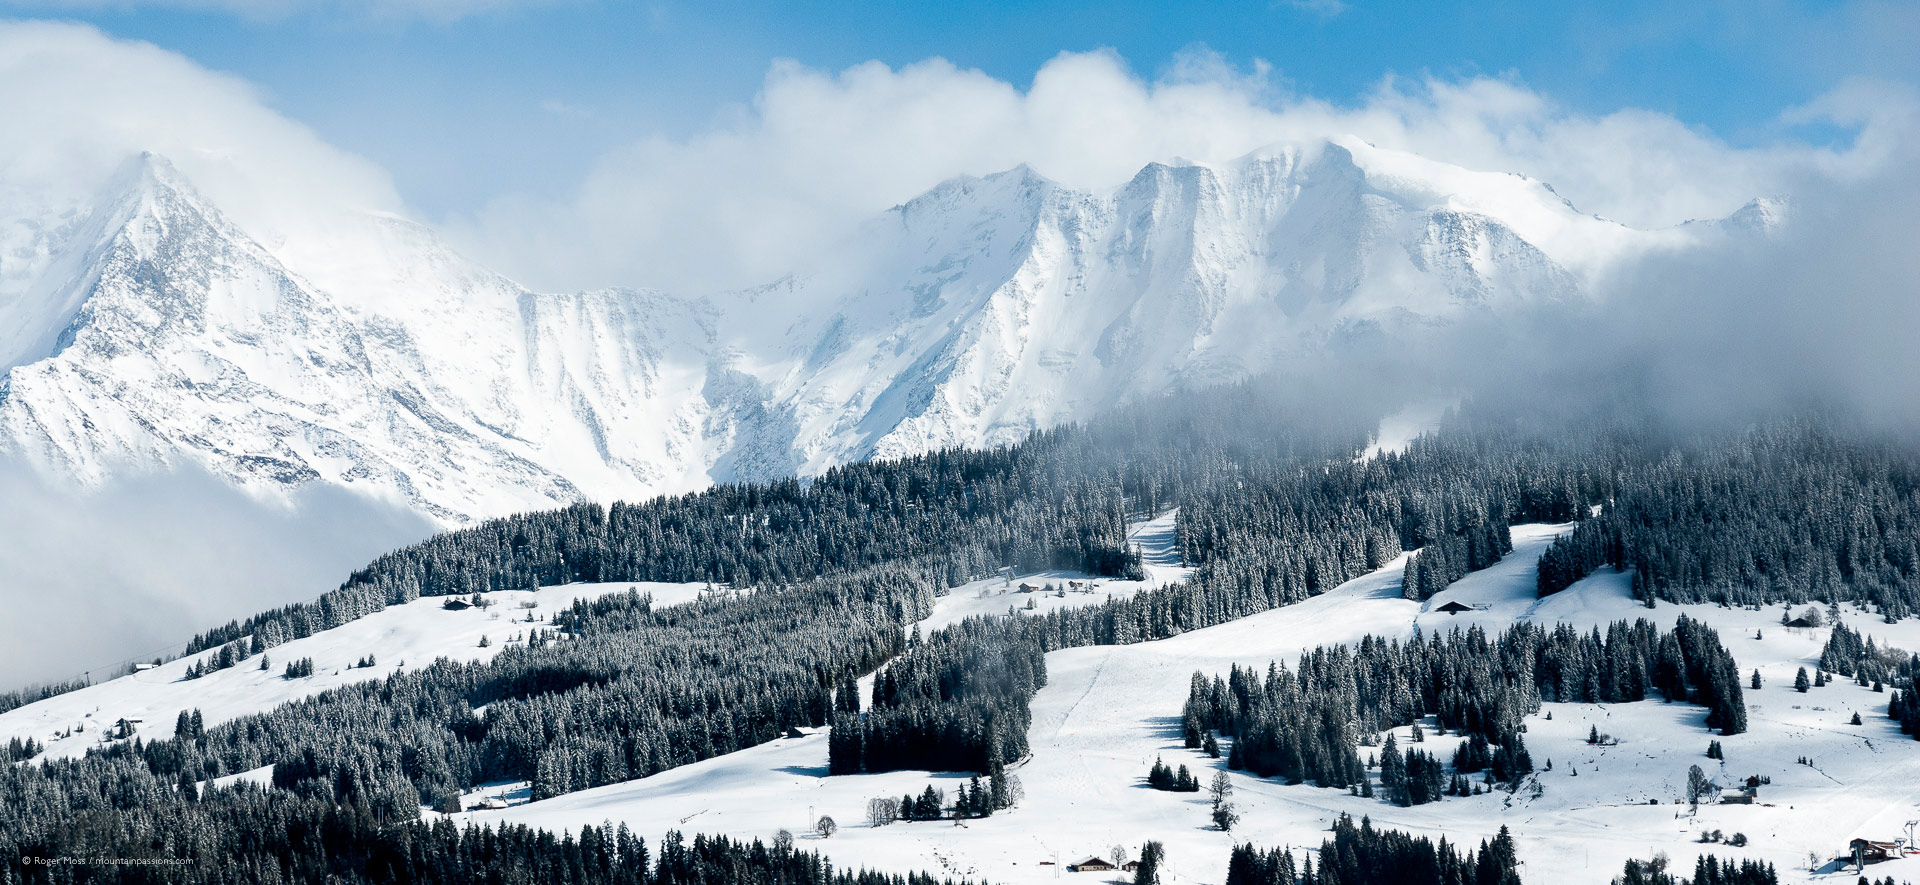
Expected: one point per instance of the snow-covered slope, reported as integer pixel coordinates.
(411, 635)
(146, 327)
(1108, 712)
(164, 331)
(416, 633)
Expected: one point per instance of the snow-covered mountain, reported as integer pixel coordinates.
(993, 306)
(173, 334)
(146, 327)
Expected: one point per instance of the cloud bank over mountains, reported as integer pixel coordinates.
(81, 105)
(817, 152)
(1812, 302)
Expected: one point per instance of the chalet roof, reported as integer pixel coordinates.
(1455, 606)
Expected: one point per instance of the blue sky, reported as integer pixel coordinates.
(460, 104)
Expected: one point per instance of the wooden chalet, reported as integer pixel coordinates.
(1455, 607)
(1132, 866)
(455, 605)
(1090, 865)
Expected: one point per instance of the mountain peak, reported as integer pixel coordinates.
(144, 176)
(364, 353)
(1764, 215)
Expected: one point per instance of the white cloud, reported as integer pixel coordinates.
(816, 152)
(97, 576)
(78, 105)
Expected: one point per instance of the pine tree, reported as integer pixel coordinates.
(1152, 854)
(1393, 773)
(1160, 777)
(1499, 861)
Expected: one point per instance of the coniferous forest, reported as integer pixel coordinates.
(296, 839)
(1707, 870)
(831, 572)
(1306, 724)
(1362, 855)
(1789, 512)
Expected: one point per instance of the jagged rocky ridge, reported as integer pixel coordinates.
(151, 328)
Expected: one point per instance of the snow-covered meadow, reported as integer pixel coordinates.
(402, 636)
(1107, 712)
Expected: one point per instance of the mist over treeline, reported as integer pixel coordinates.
(1811, 314)
(1810, 306)
(94, 578)
(1278, 501)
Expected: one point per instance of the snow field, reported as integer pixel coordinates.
(1107, 712)
(409, 635)
(998, 596)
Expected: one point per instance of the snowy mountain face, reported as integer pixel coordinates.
(178, 336)
(146, 328)
(992, 307)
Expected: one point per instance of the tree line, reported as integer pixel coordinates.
(1707, 870)
(1359, 854)
(636, 690)
(1791, 511)
(1305, 724)
(253, 835)
(1058, 500)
